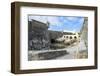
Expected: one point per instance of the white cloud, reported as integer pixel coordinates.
(51, 19)
(54, 21)
(72, 18)
(38, 18)
(73, 31)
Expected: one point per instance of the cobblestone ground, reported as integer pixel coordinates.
(75, 51)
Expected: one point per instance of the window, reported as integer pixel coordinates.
(66, 36)
(75, 37)
(70, 37)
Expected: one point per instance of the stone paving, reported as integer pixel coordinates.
(76, 51)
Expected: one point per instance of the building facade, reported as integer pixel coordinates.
(38, 36)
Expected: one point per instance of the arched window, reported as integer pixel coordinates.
(75, 37)
(66, 36)
(70, 37)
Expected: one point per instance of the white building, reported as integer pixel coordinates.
(70, 38)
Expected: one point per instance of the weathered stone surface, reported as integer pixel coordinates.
(47, 55)
(84, 32)
(38, 36)
(51, 55)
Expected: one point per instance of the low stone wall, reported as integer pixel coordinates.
(47, 55)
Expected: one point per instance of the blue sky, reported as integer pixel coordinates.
(61, 23)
